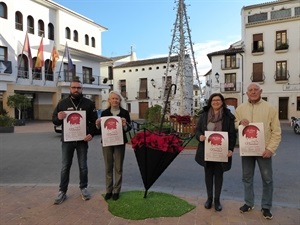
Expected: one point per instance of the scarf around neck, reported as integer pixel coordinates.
(215, 118)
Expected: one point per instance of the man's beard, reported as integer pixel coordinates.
(76, 95)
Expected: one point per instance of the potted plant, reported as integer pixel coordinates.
(92, 79)
(6, 123)
(19, 102)
(105, 80)
(162, 142)
(282, 46)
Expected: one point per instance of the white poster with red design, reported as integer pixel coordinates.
(75, 126)
(112, 131)
(252, 139)
(216, 146)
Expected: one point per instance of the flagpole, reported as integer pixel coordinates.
(62, 61)
(38, 58)
(19, 64)
(49, 63)
(47, 70)
(50, 59)
(41, 44)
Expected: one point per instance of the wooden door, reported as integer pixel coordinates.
(283, 108)
(143, 106)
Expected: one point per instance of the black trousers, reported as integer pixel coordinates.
(213, 175)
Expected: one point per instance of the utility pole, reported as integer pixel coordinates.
(181, 45)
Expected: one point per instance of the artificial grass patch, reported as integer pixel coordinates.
(132, 205)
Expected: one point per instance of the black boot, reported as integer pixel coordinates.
(218, 206)
(208, 203)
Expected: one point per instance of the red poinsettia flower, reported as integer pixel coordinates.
(159, 141)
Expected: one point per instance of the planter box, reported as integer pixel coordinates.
(20, 122)
(7, 129)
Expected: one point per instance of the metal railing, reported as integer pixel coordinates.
(142, 95)
(258, 77)
(233, 65)
(281, 75)
(230, 87)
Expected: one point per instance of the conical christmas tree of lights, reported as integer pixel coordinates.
(181, 103)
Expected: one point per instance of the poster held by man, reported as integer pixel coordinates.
(252, 139)
(75, 126)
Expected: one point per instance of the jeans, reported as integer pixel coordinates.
(265, 167)
(68, 149)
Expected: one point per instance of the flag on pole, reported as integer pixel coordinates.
(67, 54)
(26, 48)
(39, 63)
(54, 57)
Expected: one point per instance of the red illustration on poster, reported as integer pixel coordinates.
(75, 126)
(112, 131)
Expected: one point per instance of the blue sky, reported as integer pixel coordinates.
(147, 25)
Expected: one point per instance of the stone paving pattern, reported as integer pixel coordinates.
(33, 205)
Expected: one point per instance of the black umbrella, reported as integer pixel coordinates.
(153, 162)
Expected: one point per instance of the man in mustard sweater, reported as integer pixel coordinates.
(256, 110)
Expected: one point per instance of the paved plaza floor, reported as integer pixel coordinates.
(32, 204)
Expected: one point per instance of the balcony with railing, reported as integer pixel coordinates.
(51, 36)
(232, 65)
(19, 26)
(49, 76)
(258, 49)
(84, 78)
(258, 77)
(88, 79)
(281, 47)
(23, 73)
(37, 75)
(124, 94)
(64, 77)
(281, 76)
(142, 95)
(281, 14)
(30, 30)
(230, 87)
(41, 32)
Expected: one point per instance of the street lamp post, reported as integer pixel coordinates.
(217, 76)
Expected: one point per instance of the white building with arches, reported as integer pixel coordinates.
(57, 26)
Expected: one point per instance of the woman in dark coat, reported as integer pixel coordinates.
(114, 155)
(215, 117)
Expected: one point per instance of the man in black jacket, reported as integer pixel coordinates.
(75, 102)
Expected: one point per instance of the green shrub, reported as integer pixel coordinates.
(153, 117)
(166, 127)
(153, 114)
(6, 121)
